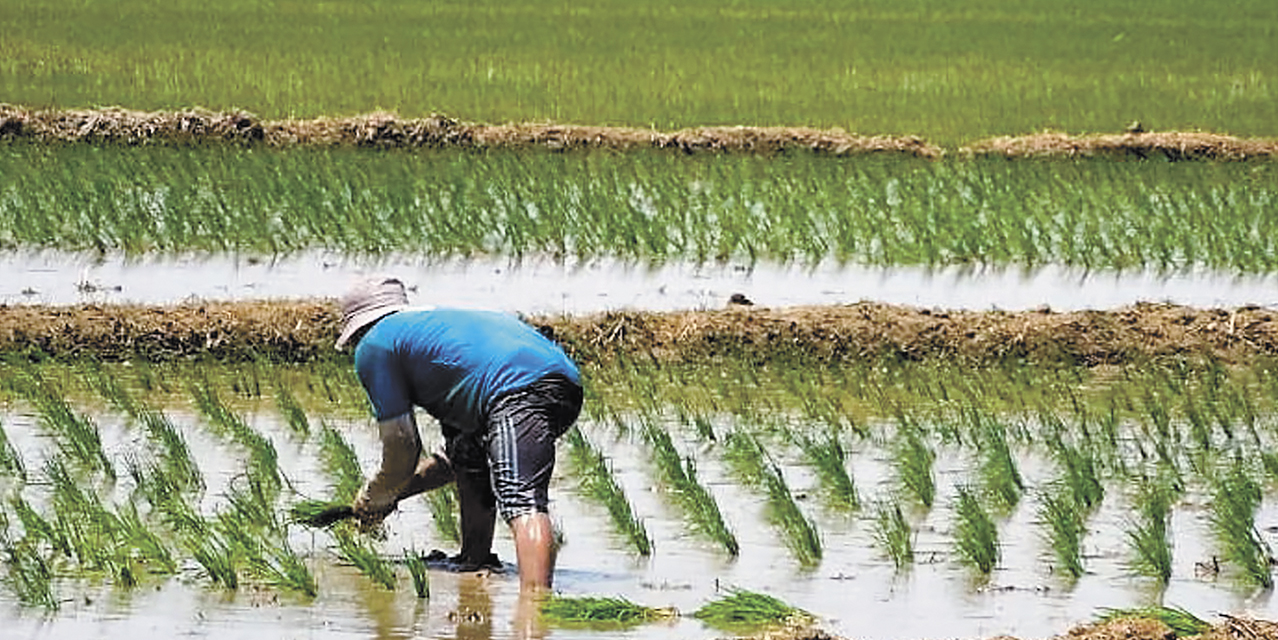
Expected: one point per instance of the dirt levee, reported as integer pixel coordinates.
(384, 130)
(1171, 145)
(304, 330)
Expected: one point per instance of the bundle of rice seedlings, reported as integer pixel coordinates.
(593, 611)
(28, 575)
(828, 459)
(320, 513)
(215, 556)
(975, 533)
(752, 465)
(742, 609)
(913, 461)
(1182, 622)
(444, 507)
(292, 411)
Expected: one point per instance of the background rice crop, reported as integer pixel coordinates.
(945, 72)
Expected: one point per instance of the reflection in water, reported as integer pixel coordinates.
(473, 617)
(544, 286)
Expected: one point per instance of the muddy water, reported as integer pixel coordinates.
(543, 286)
(855, 589)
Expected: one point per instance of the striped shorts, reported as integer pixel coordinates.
(516, 450)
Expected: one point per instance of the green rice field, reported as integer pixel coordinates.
(1153, 483)
(645, 207)
(948, 73)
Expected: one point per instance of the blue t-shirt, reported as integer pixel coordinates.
(452, 363)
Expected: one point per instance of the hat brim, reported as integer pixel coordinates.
(363, 319)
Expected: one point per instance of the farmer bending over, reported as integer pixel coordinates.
(502, 394)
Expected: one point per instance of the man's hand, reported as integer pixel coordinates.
(401, 450)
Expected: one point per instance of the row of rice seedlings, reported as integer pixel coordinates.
(1235, 498)
(353, 549)
(752, 464)
(599, 612)
(599, 484)
(881, 212)
(1148, 534)
(77, 435)
(1000, 479)
(894, 534)
(975, 533)
(696, 502)
(829, 460)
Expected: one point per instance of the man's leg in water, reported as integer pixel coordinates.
(478, 517)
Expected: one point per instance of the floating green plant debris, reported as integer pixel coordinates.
(975, 534)
(742, 609)
(1181, 621)
(600, 612)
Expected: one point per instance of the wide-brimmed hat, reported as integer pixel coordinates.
(368, 301)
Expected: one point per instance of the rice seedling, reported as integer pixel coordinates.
(11, 463)
(696, 502)
(444, 508)
(894, 534)
(417, 570)
(1147, 532)
(77, 436)
(37, 527)
(320, 513)
(280, 566)
(829, 461)
(599, 612)
(599, 484)
(215, 556)
(364, 558)
(293, 413)
(913, 462)
(157, 484)
(1235, 500)
(999, 477)
(1181, 621)
(742, 609)
(28, 575)
(1060, 512)
(175, 459)
(263, 458)
(341, 464)
(975, 534)
(1081, 476)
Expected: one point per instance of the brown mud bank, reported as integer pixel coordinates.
(388, 131)
(305, 330)
(1133, 628)
(384, 130)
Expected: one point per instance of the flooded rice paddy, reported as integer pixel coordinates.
(543, 286)
(854, 588)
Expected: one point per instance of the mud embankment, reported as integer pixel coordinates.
(388, 131)
(305, 330)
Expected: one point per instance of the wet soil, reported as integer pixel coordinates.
(1234, 628)
(387, 130)
(305, 329)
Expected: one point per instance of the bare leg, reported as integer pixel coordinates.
(478, 517)
(534, 549)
